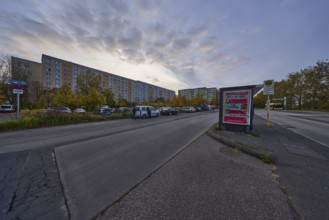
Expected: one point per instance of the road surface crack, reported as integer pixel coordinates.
(291, 205)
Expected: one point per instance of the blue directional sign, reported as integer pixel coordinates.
(17, 82)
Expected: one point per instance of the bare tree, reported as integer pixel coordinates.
(13, 69)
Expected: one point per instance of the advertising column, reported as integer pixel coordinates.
(237, 107)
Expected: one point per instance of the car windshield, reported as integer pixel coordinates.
(6, 106)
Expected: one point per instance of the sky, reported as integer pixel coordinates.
(175, 44)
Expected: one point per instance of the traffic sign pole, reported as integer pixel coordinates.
(268, 90)
(268, 111)
(17, 113)
(18, 89)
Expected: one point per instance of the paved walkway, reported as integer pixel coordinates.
(206, 181)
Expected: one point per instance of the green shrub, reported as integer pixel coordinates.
(39, 118)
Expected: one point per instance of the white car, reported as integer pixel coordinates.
(59, 110)
(189, 109)
(144, 111)
(79, 110)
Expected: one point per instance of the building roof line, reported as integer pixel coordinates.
(107, 72)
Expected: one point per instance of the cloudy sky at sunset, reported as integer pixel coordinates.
(175, 44)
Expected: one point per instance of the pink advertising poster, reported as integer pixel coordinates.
(237, 107)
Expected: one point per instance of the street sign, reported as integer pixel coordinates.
(19, 82)
(268, 87)
(18, 91)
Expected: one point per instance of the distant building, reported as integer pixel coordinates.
(208, 94)
(32, 74)
(55, 73)
(211, 94)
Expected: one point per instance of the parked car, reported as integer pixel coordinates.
(189, 109)
(124, 109)
(105, 107)
(146, 112)
(59, 110)
(198, 109)
(204, 107)
(105, 111)
(161, 109)
(7, 108)
(79, 110)
(169, 111)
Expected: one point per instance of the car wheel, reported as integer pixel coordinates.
(169, 113)
(143, 116)
(158, 115)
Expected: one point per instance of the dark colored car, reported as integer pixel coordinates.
(105, 111)
(204, 107)
(169, 111)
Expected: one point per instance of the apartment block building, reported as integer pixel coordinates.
(32, 74)
(208, 94)
(53, 72)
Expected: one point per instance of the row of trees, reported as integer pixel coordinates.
(90, 100)
(305, 89)
(196, 101)
(89, 94)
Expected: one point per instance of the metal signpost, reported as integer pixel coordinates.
(268, 90)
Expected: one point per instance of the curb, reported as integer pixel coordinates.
(262, 154)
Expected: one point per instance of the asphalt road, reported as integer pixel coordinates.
(299, 142)
(312, 125)
(154, 168)
(29, 179)
(98, 172)
(52, 137)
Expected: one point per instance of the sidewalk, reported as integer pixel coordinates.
(300, 165)
(207, 180)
